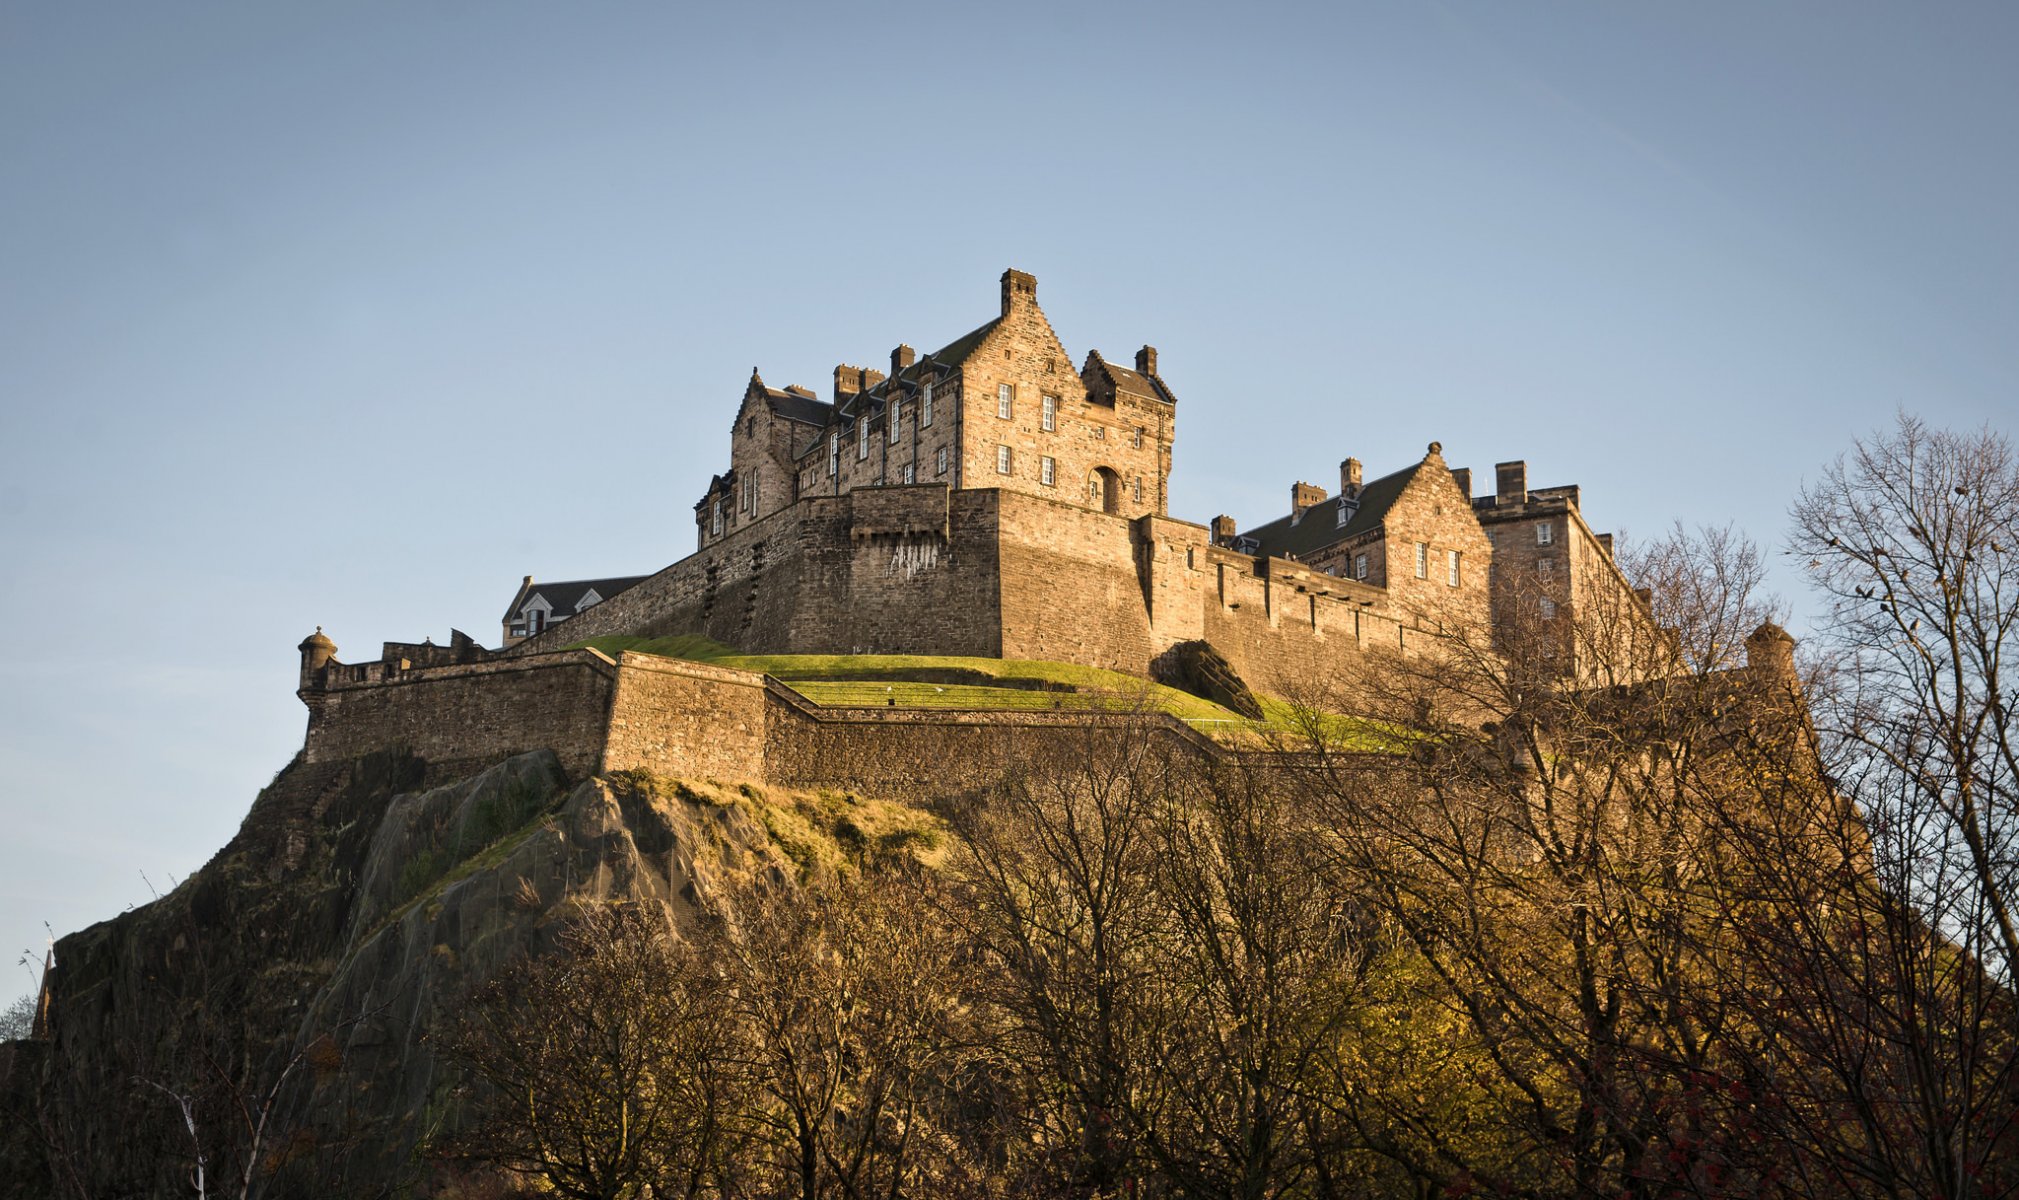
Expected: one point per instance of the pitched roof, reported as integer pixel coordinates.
(1281, 538)
(1134, 382)
(955, 353)
(566, 595)
(795, 407)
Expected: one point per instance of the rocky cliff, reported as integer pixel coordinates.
(273, 1013)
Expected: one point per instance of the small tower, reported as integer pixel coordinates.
(317, 652)
(1770, 655)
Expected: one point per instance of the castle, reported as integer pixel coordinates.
(986, 499)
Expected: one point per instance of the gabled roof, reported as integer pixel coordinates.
(1150, 387)
(563, 597)
(795, 407)
(1320, 526)
(955, 353)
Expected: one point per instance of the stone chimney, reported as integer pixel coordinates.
(1224, 530)
(1510, 482)
(849, 380)
(1349, 477)
(1605, 543)
(1462, 476)
(1302, 496)
(1146, 361)
(1018, 286)
(901, 358)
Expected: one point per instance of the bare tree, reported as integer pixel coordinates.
(1057, 870)
(850, 1000)
(607, 1070)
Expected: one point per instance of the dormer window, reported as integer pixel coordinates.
(896, 419)
(862, 438)
(833, 454)
(925, 405)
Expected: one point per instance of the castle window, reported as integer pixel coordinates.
(1422, 560)
(1002, 401)
(1138, 440)
(1047, 471)
(862, 438)
(939, 467)
(1343, 514)
(1545, 533)
(1548, 608)
(925, 406)
(1451, 567)
(1100, 433)
(750, 427)
(715, 525)
(1002, 460)
(1359, 566)
(910, 473)
(896, 419)
(1139, 489)
(833, 454)
(1545, 566)
(1051, 414)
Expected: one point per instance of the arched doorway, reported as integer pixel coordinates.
(1104, 490)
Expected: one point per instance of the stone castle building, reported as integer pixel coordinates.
(991, 499)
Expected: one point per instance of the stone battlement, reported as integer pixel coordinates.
(681, 719)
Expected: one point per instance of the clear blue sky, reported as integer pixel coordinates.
(354, 317)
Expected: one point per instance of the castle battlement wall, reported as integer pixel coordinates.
(925, 569)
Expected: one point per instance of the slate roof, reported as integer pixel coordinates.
(566, 595)
(1320, 527)
(953, 354)
(795, 407)
(1134, 382)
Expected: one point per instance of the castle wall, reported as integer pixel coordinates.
(1070, 588)
(462, 717)
(686, 719)
(904, 570)
(923, 754)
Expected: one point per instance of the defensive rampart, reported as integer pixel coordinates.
(685, 719)
(928, 570)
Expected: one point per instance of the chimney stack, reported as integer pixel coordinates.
(1349, 477)
(1146, 361)
(1224, 530)
(1462, 476)
(1605, 543)
(1017, 285)
(901, 358)
(1302, 496)
(849, 380)
(1510, 482)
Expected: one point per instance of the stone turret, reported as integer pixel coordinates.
(1770, 655)
(317, 652)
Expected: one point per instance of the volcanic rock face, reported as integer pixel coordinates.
(287, 992)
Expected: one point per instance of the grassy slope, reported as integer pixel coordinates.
(836, 679)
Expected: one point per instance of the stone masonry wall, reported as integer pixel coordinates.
(875, 570)
(460, 718)
(686, 719)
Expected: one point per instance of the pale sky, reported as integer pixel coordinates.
(353, 315)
